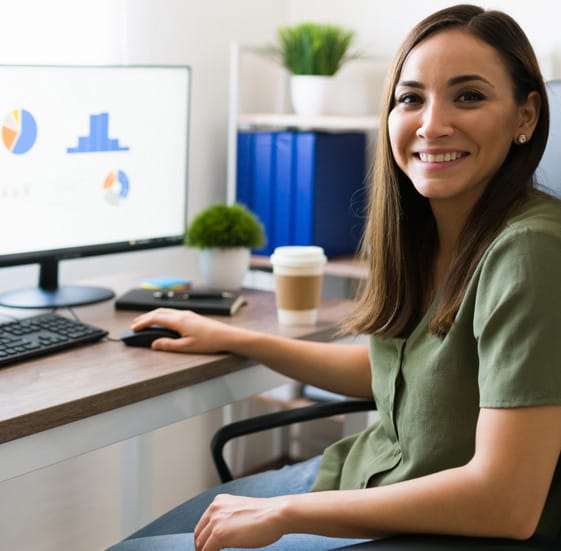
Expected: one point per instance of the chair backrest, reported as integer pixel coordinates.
(548, 173)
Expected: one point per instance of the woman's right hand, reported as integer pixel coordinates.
(199, 334)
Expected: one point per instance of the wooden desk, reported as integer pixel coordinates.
(73, 402)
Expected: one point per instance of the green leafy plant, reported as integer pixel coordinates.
(225, 226)
(312, 48)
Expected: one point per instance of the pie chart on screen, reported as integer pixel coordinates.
(116, 185)
(19, 131)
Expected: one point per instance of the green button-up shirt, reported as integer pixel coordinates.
(503, 350)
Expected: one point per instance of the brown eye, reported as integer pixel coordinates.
(471, 97)
(409, 99)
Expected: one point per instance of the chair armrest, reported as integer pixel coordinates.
(454, 543)
(275, 420)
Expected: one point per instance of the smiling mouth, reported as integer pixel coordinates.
(441, 157)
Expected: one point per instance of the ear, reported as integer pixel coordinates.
(529, 113)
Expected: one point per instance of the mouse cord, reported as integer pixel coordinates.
(72, 313)
(77, 318)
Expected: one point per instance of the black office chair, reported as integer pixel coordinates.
(398, 543)
(548, 173)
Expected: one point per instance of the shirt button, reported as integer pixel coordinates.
(396, 452)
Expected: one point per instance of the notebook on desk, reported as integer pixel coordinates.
(207, 301)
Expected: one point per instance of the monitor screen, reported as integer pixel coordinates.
(93, 160)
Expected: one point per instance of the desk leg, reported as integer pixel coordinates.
(227, 418)
(137, 468)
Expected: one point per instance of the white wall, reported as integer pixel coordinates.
(80, 504)
(381, 25)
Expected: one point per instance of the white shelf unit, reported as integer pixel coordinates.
(279, 120)
(346, 268)
(323, 122)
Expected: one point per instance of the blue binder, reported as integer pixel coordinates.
(330, 176)
(305, 188)
(263, 171)
(244, 170)
(283, 185)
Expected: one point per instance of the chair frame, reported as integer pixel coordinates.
(275, 420)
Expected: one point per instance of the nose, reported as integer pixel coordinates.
(435, 121)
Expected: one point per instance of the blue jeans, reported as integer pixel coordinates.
(173, 531)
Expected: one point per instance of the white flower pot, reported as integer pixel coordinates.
(224, 268)
(309, 94)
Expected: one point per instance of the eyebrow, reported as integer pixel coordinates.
(451, 82)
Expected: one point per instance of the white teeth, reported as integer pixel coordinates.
(440, 158)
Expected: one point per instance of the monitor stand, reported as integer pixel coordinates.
(50, 295)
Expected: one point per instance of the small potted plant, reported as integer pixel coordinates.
(224, 235)
(313, 53)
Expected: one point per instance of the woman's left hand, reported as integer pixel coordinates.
(235, 521)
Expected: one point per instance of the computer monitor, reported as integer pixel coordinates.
(93, 161)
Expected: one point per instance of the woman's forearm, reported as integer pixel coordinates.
(452, 502)
(338, 367)
(501, 492)
(342, 368)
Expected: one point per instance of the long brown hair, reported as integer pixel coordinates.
(400, 238)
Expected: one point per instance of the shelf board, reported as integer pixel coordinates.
(322, 122)
(343, 266)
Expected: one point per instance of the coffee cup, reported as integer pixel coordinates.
(298, 274)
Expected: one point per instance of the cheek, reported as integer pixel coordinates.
(496, 147)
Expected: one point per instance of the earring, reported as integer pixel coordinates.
(522, 139)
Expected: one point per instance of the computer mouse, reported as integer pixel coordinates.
(146, 336)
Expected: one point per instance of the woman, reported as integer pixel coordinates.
(463, 307)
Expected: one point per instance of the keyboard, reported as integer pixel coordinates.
(43, 334)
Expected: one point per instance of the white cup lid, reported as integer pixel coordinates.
(298, 255)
